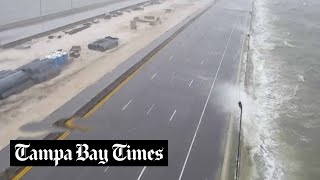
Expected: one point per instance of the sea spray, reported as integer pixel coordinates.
(283, 129)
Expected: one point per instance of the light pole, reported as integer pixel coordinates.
(40, 7)
(239, 143)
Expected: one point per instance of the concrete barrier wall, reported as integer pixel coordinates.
(18, 10)
(54, 6)
(83, 3)
(12, 11)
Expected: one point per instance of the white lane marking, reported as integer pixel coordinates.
(173, 74)
(191, 83)
(173, 115)
(154, 76)
(106, 169)
(124, 107)
(172, 78)
(171, 81)
(150, 109)
(144, 168)
(202, 62)
(205, 106)
(171, 58)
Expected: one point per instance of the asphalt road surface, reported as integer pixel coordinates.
(173, 97)
(20, 32)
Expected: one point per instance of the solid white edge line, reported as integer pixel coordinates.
(125, 107)
(205, 106)
(142, 171)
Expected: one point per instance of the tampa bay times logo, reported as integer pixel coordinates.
(89, 153)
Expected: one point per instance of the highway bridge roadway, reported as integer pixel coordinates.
(172, 98)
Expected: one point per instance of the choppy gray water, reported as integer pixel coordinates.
(284, 127)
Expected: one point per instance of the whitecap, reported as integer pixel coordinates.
(301, 78)
(286, 43)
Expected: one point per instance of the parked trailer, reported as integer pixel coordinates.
(37, 66)
(37, 71)
(110, 43)
(13, 80)
(46, 75)
(104, 44)
(5, 73)
(94, 45)
(29, 64)
(17, 89)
